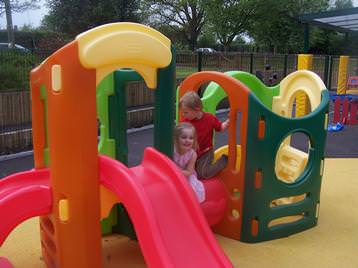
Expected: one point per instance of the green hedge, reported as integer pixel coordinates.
(15, 67)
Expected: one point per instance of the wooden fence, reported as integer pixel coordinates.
(15, 111)
(15, 115)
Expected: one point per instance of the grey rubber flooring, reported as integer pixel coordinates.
(343, 144)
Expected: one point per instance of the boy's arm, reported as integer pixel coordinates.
(191, 165)
(225, 125)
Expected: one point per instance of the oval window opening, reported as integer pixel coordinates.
(292, 157)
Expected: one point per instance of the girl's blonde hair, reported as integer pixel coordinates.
(191, 100)
(178, 130)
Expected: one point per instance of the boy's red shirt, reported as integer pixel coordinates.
(205, 127)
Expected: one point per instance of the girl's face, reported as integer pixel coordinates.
(186, 140)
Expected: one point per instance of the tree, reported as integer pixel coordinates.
(342, 4)
(187, 16)
(276, 24)
(9, 6)
(74, 17)
(230, 18)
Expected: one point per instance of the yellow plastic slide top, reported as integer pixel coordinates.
(125, 45)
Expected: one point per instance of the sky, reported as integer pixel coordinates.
(33, 17)
(30, 17)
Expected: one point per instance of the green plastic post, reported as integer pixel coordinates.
(285, 65)
(164, 109)
(118, 111)
(326, 69)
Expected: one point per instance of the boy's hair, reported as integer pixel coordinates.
(191, 100)
(178, 129)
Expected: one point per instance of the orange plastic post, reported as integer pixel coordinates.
(71, 91)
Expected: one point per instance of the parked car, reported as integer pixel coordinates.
(6, 46)
(206, 50)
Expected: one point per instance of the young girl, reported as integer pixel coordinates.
(185, 156)
(205, 124)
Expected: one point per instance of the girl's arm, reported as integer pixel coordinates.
(191, 165)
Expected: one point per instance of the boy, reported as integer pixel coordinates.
(205, 124)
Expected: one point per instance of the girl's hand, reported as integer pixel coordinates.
(190, 168)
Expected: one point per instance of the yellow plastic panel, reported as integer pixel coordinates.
(290, 163)
(125, 45)
(63, 210)
(304, 63)
(225, 150)
(56, 78)
(304, 81)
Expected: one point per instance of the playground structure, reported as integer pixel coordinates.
(72, 187)
(346, 99)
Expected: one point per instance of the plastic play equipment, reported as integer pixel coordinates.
(22, 196)
(342, 74)
(157, 229)
(163, 227)
(335, 127)
(4, 263)
(345, 109)
(64, 126)
(352, 83)
(73, 187)
(265, 144)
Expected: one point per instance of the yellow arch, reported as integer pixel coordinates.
(125, 45)
(304, 80)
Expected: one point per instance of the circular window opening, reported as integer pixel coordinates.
(292, 157)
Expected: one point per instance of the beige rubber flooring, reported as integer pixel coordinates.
(333, 243)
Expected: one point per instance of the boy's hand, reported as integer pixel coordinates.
(225, 125)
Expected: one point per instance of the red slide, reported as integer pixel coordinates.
(171, 228)
(22, 196)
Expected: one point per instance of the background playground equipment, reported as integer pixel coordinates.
(72, 187)
(295, 181)
(345, 109)
(346, 84)
(352, 83)
(346, 99)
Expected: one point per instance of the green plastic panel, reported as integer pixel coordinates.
(104, 90)
(106, 144)
(164, 109)
(118, 111)
(47, 149)
(213, 94)
(261, 154)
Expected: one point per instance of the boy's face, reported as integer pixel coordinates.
(189, 113)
